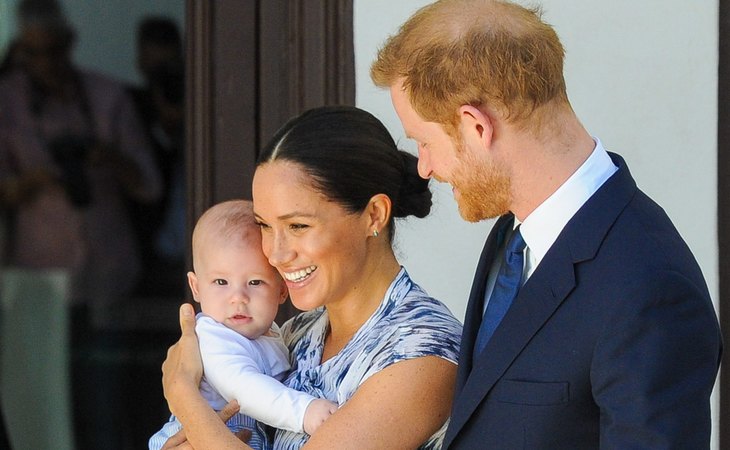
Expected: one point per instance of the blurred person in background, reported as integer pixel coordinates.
(72, 152)
(159, 102)
(71, 149)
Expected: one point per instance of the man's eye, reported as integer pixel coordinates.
(255, 283)
(220, 282)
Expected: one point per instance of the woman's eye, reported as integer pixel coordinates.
(220, 282)
(298, 226)
(255, 283)
(263, 225)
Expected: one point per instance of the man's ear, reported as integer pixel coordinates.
(193, 282)
(476, 125)
(378, 213)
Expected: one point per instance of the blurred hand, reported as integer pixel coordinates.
(24, 188)
(124, 168)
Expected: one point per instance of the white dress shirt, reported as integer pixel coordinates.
(542, 227)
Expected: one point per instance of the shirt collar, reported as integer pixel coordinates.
(542, 228)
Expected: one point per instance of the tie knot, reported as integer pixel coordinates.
(516, 244)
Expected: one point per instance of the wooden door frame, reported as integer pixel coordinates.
(723, 208)
(250, 66)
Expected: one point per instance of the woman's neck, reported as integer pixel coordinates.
(347, 317)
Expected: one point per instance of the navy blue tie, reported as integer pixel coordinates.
(505, 289)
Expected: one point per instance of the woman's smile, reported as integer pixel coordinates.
(299, 275)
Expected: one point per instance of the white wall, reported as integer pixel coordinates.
(642, 75)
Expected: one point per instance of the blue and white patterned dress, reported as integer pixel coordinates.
(408, 324)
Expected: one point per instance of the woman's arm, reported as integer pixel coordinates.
(181, 374)
(178, 441)
(400, 407)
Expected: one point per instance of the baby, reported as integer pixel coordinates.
(243, 354)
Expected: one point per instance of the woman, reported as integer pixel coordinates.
(325, 192)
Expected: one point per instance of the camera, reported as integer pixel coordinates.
(70, 153)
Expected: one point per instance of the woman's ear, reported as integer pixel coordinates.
(378, 214)
(193, 282)
(476, 126)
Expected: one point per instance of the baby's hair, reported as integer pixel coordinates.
(232, 219)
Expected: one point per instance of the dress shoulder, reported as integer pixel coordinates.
(410, 324)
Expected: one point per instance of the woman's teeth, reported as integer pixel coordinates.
(299, 275)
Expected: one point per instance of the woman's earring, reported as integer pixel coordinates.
(375, 233)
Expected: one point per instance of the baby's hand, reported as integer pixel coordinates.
(317, 412)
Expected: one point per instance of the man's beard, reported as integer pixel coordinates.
(483, 188)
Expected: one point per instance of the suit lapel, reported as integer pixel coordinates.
(475, 307)
(537, 301)
(550, 284)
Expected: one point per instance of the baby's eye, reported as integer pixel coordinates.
(255, 283)
(220, 282)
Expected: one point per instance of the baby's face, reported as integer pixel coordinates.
(236, 286)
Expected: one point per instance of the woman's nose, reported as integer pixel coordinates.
(278, 251)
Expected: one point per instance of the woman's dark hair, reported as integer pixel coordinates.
(351, 157)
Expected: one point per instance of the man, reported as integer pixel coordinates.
(589, 322)
(159, 102)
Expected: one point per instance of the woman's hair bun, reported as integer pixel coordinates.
(414, 196)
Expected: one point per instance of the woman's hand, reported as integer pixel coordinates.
(181, 375)
(179, 441)
(183, 368)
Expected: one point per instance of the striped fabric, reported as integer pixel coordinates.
(237, 423)
(407, 324)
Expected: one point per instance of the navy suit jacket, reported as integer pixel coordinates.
(612, 342)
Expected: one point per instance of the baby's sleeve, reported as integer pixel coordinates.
(231, 365)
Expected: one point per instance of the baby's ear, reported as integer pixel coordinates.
(284, 293)
(193, 282)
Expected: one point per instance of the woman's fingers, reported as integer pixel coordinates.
(187, 319)
(228, 411)
(244, 435)
(183, 367)
(179, 441)
(175, 441)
